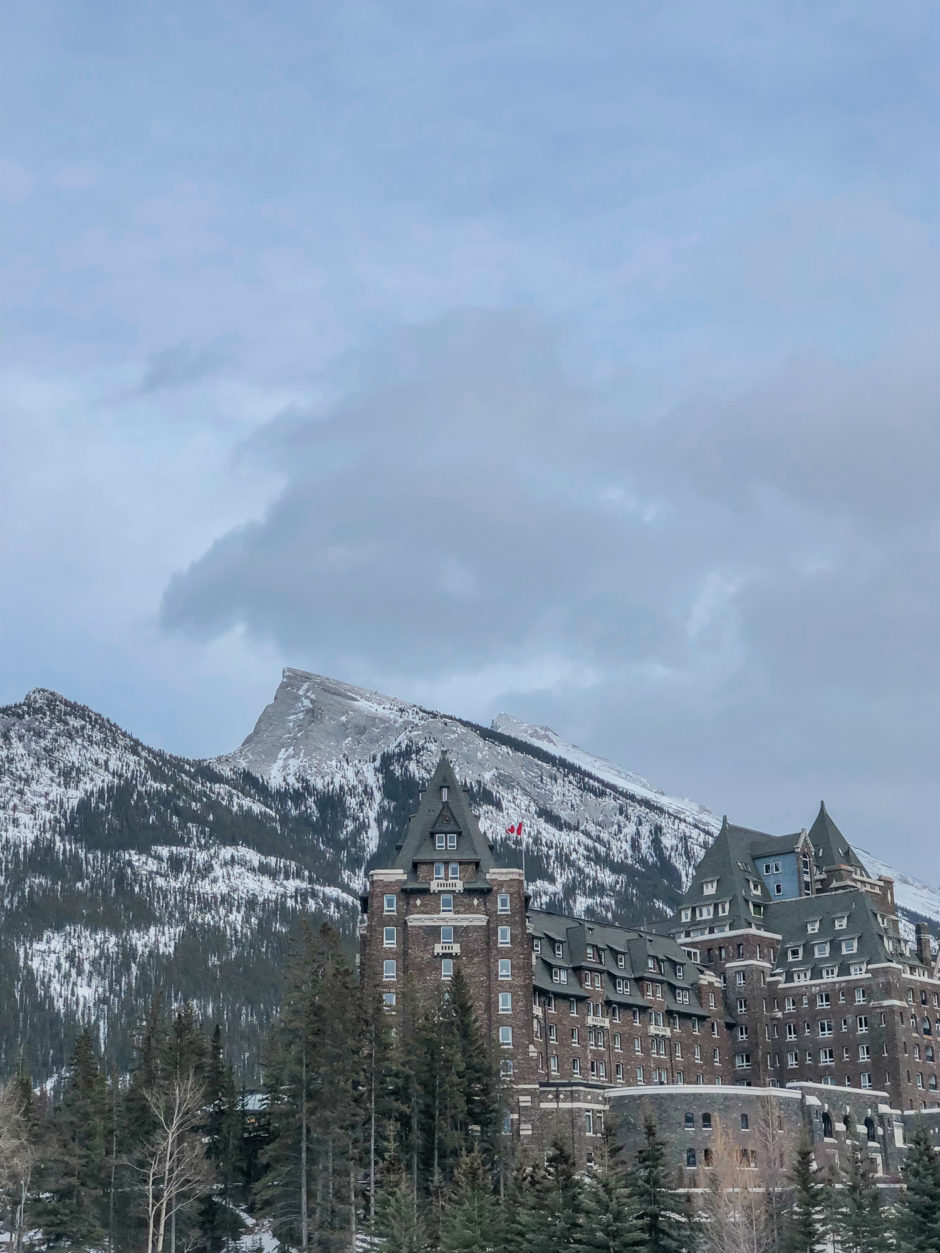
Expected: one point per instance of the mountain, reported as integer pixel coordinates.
(126, 871)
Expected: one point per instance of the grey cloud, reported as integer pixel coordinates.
(181, 366)
(753, 577)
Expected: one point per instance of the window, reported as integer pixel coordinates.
(827, 1057)
(825, 1026)
(505, 1036)
(502, 904)
(812, 926)
(706, 1122)
(454, 870)
(794, 952)
(447, 903)
(505, 1002)
(589, 1122)
(686, 915)
(444, 793)
(618, 1070)
(388, 1000)
(536, 946)
(618, 1042)
(745, 1122)
(390, 903)
(850, 946)
(553, 1063)
(439, 872)
(861, 996)
(778, 889)
(389, 937)
(389, 969)
(504, 968)
(621, 961)
(709, 887)
(505, 1072)
(503, 936)
(842, 922)
(830, 972)
(552, 1033)
(452, 841)
(576, 1065)
(447, 935)
(447, 968)
(440, 841)
(821, 948)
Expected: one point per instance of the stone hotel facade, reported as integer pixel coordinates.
(783, 976)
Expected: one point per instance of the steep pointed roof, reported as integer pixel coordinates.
(830, 846)
(444, 809)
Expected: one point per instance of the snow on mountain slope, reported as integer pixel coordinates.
(126, 871)
(909, 894)
(598, 840)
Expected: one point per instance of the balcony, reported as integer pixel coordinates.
(447, 885)
(594, 1021)
(447, 950)
(666, 1031)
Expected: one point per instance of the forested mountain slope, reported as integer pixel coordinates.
(126, 871)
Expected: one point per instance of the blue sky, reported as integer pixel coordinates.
(574, 361)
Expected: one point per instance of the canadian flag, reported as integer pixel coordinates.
(516, 829)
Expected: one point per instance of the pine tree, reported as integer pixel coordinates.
(805, 1230)
(551, 1221)
(218, 1221)
(610, 1222)
(315, 1079)
(397, 1221)
(663, 1227)
(74, 1178)
(918, 1209)
(470, 1223)
(860, 1218)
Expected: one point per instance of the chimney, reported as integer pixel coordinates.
(924, 947)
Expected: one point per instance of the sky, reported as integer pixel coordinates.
(573, 361)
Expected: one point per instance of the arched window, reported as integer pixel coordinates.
(827, 1125)
(870, 1127)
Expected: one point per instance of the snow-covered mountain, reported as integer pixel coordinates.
(126, 871)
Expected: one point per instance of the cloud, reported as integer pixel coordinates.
(181, 366)
(756, 571)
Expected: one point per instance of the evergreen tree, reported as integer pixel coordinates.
(550, 1221)
(74, 1178)
(806, 1227)
(218, 1220)
(860, 1219)
(610, 1221)
(471, 1222)
(397, 1221)
(315, 1085)
(918, 1208)
(664, 1229)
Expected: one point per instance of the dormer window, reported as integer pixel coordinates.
(842, 922)
(812, 926)
(621, 961)
(559, 949)
(440, 840)
(452, 841)
(709, 887)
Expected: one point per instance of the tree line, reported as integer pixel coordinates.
(373, 1136)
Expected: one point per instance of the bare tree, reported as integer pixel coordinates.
(733, 1203)
(172, 1160)
(17, 1156)
(775, 1146)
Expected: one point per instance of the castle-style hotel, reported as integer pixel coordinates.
(782, 979)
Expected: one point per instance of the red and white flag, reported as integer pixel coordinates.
(515, 829)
